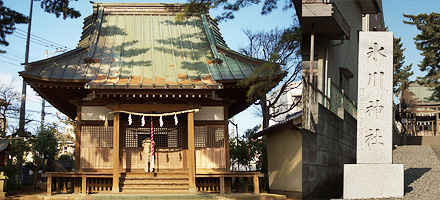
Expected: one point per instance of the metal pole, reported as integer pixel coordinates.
(312, 52)
(43, 102)
(26, 67)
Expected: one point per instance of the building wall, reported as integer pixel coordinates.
(285, 167)
(346, 54)
(327, 145)
(291, 95)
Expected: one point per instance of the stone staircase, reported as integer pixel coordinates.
(154, 182)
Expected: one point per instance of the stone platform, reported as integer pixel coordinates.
(151, 196)
(373, 181)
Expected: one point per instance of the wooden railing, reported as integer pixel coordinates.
(78, 182)
(221, 181)
(94, 182)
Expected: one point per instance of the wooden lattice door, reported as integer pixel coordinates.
(169, 142)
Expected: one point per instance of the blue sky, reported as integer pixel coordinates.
(67, 33)
(393, 10)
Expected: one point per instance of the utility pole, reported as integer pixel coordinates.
(26, 67)
(43, 102)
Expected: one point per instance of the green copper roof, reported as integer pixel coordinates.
(142, 46)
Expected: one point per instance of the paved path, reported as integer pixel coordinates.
(422, 171)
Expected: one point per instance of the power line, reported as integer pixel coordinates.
(14, 55)
(11, 63)
(48, 41)
(11, 58)
(16, 52)
(34, 42)
(39, 41)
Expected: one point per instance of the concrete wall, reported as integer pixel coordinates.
(327, 145)
(284, 149)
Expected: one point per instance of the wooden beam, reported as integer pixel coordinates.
(191, 154)
(116, 151)
(78, 137)
(153, 107)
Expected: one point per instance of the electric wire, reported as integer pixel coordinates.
(34, 42)
(56, 44)
(11, 58)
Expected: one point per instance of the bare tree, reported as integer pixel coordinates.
(281, 48)
(10, 107)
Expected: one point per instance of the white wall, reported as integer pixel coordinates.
(95, 113)
(210, 113)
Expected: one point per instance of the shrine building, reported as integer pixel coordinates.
(140, 75)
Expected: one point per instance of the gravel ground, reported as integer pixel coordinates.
(422, 171)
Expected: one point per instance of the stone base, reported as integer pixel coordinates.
(373, 181)
(115, 189)
(192, 190)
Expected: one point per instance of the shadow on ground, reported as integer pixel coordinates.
(411, 175)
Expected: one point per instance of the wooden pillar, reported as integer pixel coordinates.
(191, 154)
(222, 185)
(49, 185)
(256, 185)
(57, 185)
(116, 151)
(436, 124)
(84, 184)
(64, 181)
(226, 117)
(78, 136)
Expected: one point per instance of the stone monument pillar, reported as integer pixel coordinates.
(374, 175)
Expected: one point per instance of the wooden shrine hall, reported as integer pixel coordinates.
(152, 96)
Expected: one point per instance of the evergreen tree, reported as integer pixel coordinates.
(230, 7)
(401, 73)
(428, 41)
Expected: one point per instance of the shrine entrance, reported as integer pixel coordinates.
(170, 143)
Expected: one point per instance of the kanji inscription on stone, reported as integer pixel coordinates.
(375, 51)
(374, 108)
(375, 79)
(374, 137)
(375, 103)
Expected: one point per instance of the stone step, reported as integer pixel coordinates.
(155, 173)
(155, 184)
(155, 178)
(154, 189)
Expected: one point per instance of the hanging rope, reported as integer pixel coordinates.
(147, 115)
(152, 142)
